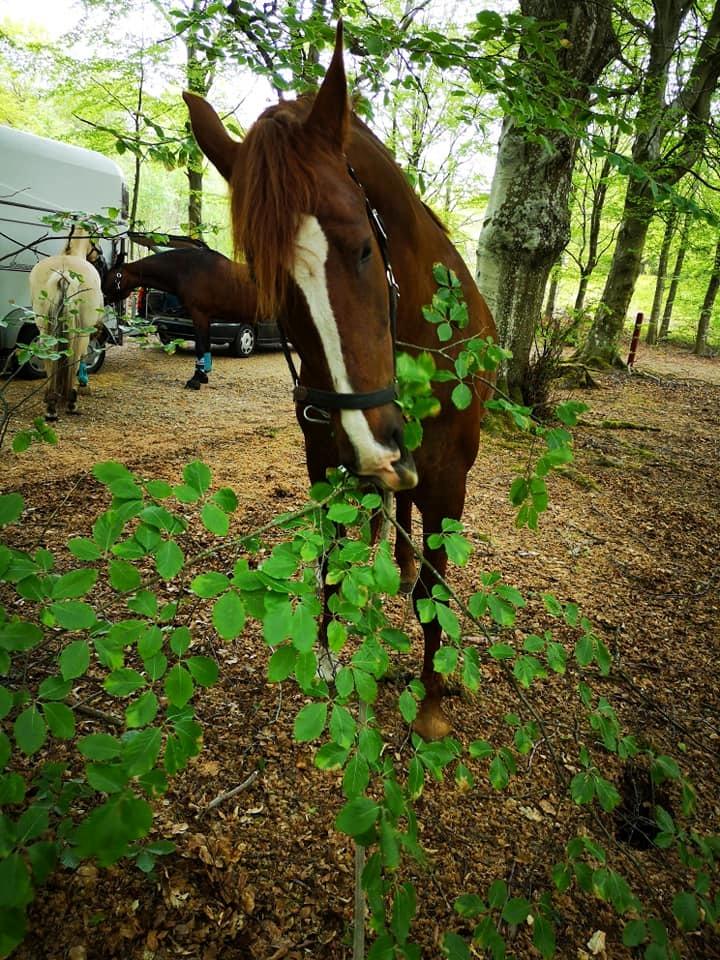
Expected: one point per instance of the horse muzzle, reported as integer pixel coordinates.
(395, 473)
(401, 475)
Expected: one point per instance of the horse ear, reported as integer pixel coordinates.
(211, 135)
(330, 114)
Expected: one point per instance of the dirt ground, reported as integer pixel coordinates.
(631, 536)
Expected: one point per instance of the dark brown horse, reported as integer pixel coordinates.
(302, 217)
(211, 287)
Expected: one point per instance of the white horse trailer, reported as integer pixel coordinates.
(39, 177)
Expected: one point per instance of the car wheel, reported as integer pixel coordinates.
(34, 369)
(95, 356)
(244, 343)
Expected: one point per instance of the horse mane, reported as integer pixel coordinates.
(79, 244)
(436, 218)
(67, 249)
(273, 185)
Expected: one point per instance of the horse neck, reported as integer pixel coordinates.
(159, 271)
(78, 246)
(382, 179)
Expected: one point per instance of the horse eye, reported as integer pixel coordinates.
(366, 252)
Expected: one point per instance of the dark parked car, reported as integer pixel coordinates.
(169, 317)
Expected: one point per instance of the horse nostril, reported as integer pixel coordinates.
(398, 439)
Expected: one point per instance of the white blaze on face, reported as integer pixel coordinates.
(311, 250)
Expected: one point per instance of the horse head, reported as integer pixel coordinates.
(319, 258)
(117, 284)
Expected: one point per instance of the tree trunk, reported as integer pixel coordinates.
(132, 215)
(552, 290)
(687, 113)
(526, 227)
(708, 304)
(197, 83)
(582, 289)
(199, 76)
(605, 333)
(675, 281)
(599, 195)
(195, 187)
(652, 330)
(527, 221)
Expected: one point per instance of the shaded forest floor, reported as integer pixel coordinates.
(631, 536)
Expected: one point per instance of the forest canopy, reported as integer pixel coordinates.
(605, 195)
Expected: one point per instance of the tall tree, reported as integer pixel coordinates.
(668, 234)
(701, 345)
(670, 130)
(588, 207)
(204, 43)
(527, 222)
(676, 276)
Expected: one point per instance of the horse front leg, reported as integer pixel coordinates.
(431, 722)
(404, 553)
(203, 359)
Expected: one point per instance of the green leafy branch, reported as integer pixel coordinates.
(467, 362)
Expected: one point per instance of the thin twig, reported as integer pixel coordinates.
(98, 714)
(222, 797)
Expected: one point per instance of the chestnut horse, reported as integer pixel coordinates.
(68, 304)
(211, 287)
(304, 183)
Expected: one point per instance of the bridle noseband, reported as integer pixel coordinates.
(318, 403)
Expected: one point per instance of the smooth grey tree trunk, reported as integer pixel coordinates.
(676, 277)
(652, 330)
(527, 221)
(552, 290)
(701, 347)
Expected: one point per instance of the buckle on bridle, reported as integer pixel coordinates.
(316, 415)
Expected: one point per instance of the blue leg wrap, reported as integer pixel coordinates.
(207, 357)
(82, 374)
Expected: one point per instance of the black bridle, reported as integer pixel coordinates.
(316, 403)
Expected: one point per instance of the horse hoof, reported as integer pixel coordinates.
(51, 417)
(430, 723)
(193, 384)
(406, 587)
